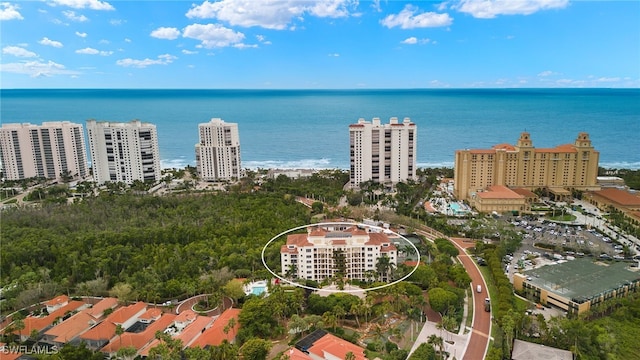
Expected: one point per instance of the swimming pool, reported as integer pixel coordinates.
(257, 290)
(455, 207)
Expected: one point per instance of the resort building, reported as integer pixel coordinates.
(576, 286)
(382, 153)
(559, 170)
(124, 151)
(320, 345)
(500, 199)
(218, 152)
(329, 250)
(53, 150)
(616, 199)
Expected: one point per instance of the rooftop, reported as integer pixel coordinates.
(582, 278)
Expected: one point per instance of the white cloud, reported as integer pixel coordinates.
(269, 14)
(9, 11)
(161, 60)
(410, 40)
(212, 35)
(127, 40)
(37, 68)
(334, 55)
(414, 40)
(71, 15)
(244, 46)
(546, 73)
(608, 79)
(92, 51)
(488, 9)
(117, 22)
(48, 42)
(18, 51)
(408, 19)
(82, 4)
(82, 35)
(168, 33)
(189, 52)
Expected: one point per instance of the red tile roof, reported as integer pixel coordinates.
(194, 330)
(139, 340)
(98, 309)
(620, 197)
(38, 323)
(107, 328)
(57, 301)
(331, 344)
(151, 314)
(214, 335)
(72, 327)
(295, 354)
(499, 192)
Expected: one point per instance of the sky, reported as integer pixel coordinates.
(319, 44)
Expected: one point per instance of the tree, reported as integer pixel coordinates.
(350, 356)
(297, 324)
(440, 299)
(119, 332)
(255, 349)
(123, 292)
(424, 352)
(234, 289)
(127, 352)
(437, 341)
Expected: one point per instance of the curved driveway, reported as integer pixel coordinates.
(481, 325)
(478, 341)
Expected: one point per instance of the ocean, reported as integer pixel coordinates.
(309, 128)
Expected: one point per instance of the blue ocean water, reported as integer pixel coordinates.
(309, 128)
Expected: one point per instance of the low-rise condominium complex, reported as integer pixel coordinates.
(124, 151)
(382, 153)
(327, 250)
(53, 150)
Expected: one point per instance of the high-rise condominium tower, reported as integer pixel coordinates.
(218, 152)
(383, 153)
(52, 150)
(124, 151)
(559, 169)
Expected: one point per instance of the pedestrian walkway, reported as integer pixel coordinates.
(454, 344)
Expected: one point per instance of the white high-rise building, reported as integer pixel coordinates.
(52, 150)
(218, 152)
(383, 153)
(124, 151)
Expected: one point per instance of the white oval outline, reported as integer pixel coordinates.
(264, 263)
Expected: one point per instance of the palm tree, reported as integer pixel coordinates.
(437, 341)
(119, 332)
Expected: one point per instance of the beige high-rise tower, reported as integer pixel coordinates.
(51, 150)
(383, 153)
(218, 152)
(559, 169)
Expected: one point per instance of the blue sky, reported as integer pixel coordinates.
(319, 44)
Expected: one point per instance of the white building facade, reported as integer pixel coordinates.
(124, 151)
(218, 152)
(382, 153)
(52, 150)
(314, 255)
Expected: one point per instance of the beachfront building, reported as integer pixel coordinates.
(559, 170)
(613, 199)
(327, 250)
(53, 150)
(124, 151)
(218, 152)
(382, 153)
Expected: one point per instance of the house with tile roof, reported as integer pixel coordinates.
(56, 303)
(40, 324)
(71, 328)
(140, 339)
(186, 327)
(624, 201)
(320, 345)
(101, 334)
(223, 328)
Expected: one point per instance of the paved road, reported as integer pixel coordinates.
(481, 325)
